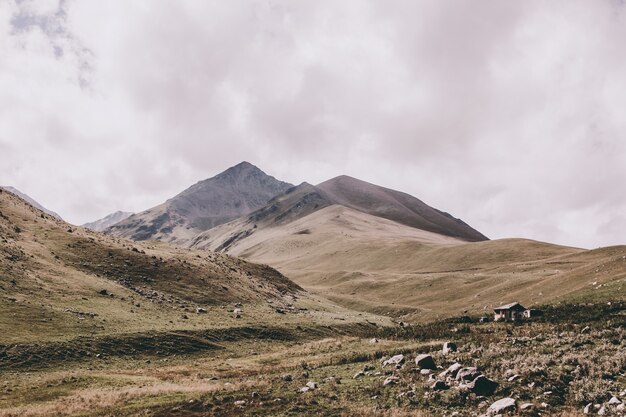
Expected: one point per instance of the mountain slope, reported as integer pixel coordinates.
(31, 201)
(299, 202)
(107, 221)
(233, 193)
(65, 281)
(397, 206)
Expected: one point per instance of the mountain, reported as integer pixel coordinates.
(102, 224)
(31, 201)
(396, 206)
(235, 192)
(65, 281)
(347, 192)
(377, 250)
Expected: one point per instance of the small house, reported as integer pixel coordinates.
(509, 312)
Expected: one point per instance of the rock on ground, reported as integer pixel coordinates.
(503, 405)
(394, 360)
(425, 362)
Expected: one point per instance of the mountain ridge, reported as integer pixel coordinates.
(226, 196)
(107, 221)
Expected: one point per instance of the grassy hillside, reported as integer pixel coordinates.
(372, 264)
(58, 282)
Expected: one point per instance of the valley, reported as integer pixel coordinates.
(292, 304)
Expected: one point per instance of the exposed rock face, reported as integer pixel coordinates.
(235, 192)
(104, 223)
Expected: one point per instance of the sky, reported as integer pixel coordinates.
(509, 115)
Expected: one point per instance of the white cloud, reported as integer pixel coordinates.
(510, 116)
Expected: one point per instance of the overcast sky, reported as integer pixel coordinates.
(508, 114)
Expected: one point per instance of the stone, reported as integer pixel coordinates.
(451, 371)
(425, 371)
(614, 401)
(359, 375)
(483, 386)
(373, 341)
(526, 406)
(200, 310)
(392, 380)
(587, 409)
(439, 386)
(311, 385)
(467, 374)
(394, 360)
(449, 347)
(425, 361)
(503, 405)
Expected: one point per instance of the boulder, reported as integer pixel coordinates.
(439, 386)
(467, 374)
(588, 408)
(449, 347)
(451, 371)
(614, 401)
(425, 362)
(504, 405)
(311, 385)
(392, 380)
(482, 386)
(394, 360)
(359, 375)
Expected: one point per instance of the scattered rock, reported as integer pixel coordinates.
(425, 371)
(451, 371)
(501, 406)
(373, 341)
(392, 380)
(200, 310)
(240, 403)
(394, 360)
(311, 385)
(439, 386)
(526, 406)
(483, 386)
(588, 408)
(467, 374)
(425, 361)
(449, 347)
(614, 401)
(359, 375)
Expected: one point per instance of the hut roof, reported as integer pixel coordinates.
(510, 306)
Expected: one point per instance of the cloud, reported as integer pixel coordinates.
(509, 116)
